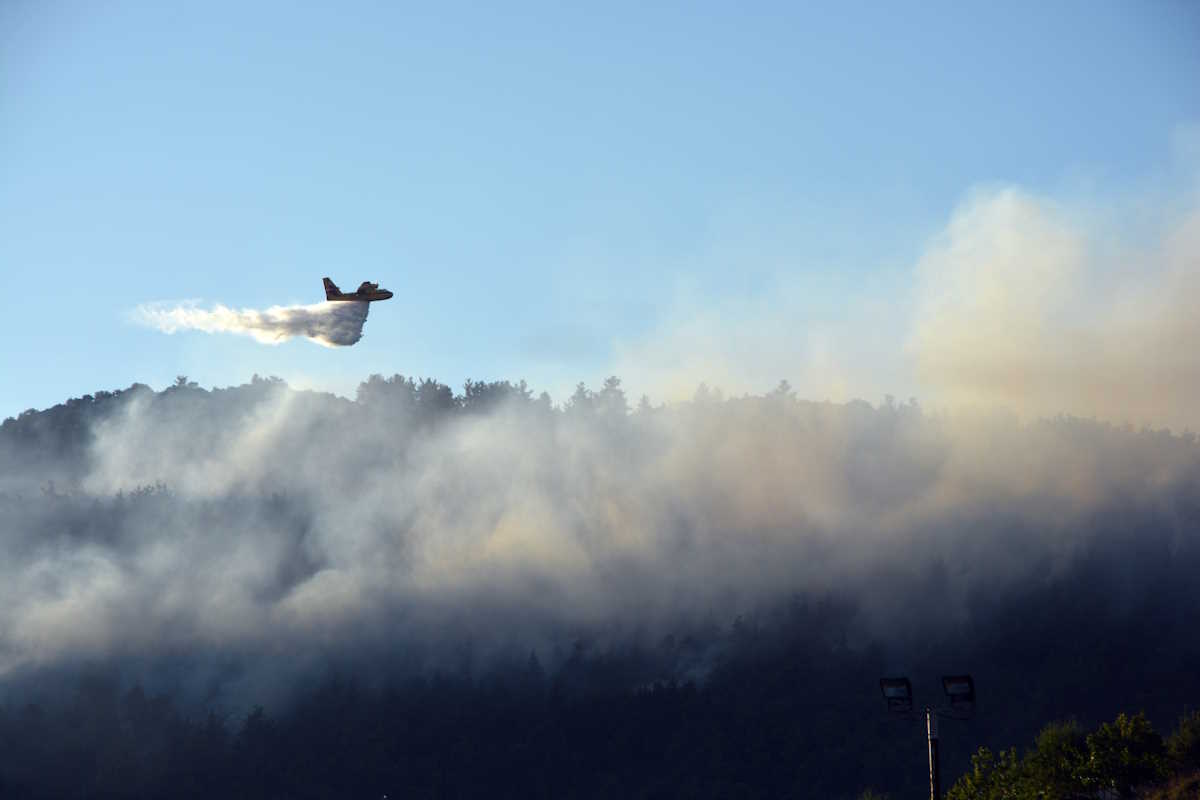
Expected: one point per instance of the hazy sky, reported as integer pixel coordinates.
(674, 194)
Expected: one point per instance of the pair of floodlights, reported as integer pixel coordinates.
(959, 689)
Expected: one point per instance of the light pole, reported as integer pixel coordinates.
(935, 772)
(960, 692)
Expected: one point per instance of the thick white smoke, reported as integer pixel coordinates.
(330, 324)
(300, 526)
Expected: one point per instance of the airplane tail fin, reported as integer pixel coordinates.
(330, 288)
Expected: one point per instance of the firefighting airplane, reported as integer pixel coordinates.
(367, 292)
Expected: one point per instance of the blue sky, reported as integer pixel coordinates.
(550, 191)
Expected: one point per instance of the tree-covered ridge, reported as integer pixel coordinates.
(677, 600)
(521, 732)
(62, 433)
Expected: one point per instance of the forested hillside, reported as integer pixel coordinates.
(264, 592)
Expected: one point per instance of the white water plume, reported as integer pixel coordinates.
(330, 324)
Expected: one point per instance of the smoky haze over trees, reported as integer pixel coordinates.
(460, 588)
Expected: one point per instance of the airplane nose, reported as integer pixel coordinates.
(386, 294)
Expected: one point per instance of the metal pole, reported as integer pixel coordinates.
(935, 775)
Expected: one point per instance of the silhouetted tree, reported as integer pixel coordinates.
(1183, 745)
(581, 402)
(1125, 754)
(610, 400)
(1057, 763)
(993, 776)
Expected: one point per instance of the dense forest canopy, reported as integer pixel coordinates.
(732, 574)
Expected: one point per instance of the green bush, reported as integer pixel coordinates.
(1120, 758)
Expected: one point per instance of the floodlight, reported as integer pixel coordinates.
(898, 694)
(961, 691)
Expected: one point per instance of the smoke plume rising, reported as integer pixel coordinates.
(1020, 301)
(330, 324)
(1024, 305)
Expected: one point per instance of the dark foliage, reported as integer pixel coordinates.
(1125, 758)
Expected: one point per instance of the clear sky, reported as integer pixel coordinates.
(552, 191)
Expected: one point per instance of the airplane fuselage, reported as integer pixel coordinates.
(367, 292)
(359, 296)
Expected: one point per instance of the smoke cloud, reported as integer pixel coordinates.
(285, 530)
(1022, 302)
(1026, 305)
(330, 324)
(293, 529)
